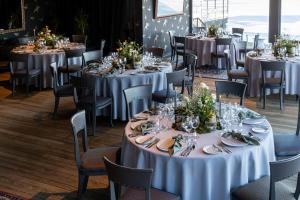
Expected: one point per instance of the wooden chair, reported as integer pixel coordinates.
(137, 181)
(235, 74)
(79, 39)
(172, 44)
(174, 78)
(239, 48)
(288, 144)
(231, 88)
(59, 90)
(142, 92)
(91, 56)
(272, 83)
(90, 161)
(74, 68)
(180, 49)
(269, 187)
(88, 99)
(156, 51)
(24, 73)
(220, 42)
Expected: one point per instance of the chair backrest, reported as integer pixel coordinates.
(156, 51)
(142, 92)
(190, 64)
(53, 69)
(272, 66)
(179, 40)
(78, 123)
(18, 58)
(298, 123)
(281, 170)
(24, 40)
(74, 53)
(237, 46)
(231, 88)
(88, 88)
(79, 39)
(227, 60)
(90, 56)
(171, 38)
(129, 177)
(223, 42)
(175, 78)
(238, 30)
(102, 45)
(255, 43)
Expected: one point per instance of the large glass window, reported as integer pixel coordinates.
(251, 15)
(290, 18)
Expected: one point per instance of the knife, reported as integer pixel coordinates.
(153, 143)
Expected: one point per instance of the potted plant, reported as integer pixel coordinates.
(81, 22)
(213, 30)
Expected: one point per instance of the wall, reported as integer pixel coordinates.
(156, 30)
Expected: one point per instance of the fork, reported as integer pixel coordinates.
(254, 137)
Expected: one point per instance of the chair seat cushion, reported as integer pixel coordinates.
(259, 190)
(32, 72)
(93, 158)
(272, 82)
(238, 73)
(65, 90)
(156, 194)
(286, 144)
(70, 68)
(100, 101)
(161, 96)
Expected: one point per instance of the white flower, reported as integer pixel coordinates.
(214, 96)
(203, 86)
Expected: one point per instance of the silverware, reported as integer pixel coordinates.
(225, 149)
(153, 143)
(254, 137)
(136, 119)
(190, 150)
(149, 139)
(184, 151)
(218, 148)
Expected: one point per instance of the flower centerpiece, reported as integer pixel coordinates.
(284, 44)
(213, 30)
(47, 37)
(131, 51)
(202, 104)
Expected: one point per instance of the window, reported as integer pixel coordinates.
(252, 15)
(290, 18)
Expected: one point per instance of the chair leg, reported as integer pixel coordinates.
(27, 86)
(56, 106)
(176, 61)
(13, 87)
(281, 98)
(94, 120)
(297, 192)
(82, 184)
(264, 98)
(40, 82)
(111, 115)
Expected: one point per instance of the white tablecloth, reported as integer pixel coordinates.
(201, 176)
(114, 85)
(43, 60)
(292, 71)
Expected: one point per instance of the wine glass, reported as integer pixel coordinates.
(187, 126)
(195, 124)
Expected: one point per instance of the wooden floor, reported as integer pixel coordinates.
(36, 152)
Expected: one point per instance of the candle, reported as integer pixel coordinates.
(34, 32)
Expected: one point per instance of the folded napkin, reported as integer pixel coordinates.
(242, 138)
(178, 140)
(250, 115)
(143, 128)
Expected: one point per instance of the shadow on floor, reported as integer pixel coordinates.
(91, 194)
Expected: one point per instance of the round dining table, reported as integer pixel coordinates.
(292, 71)
(200, 175)
(204, 47)
(113, 86)
(43, 59)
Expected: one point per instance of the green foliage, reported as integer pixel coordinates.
(131, 51)
(202, 105)
(213, 30)
(81, 22)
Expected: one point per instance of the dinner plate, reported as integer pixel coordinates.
(253, 121)
(165, 144)
(259, 130)
(144, 139)
(211, 150)
(232, 142)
